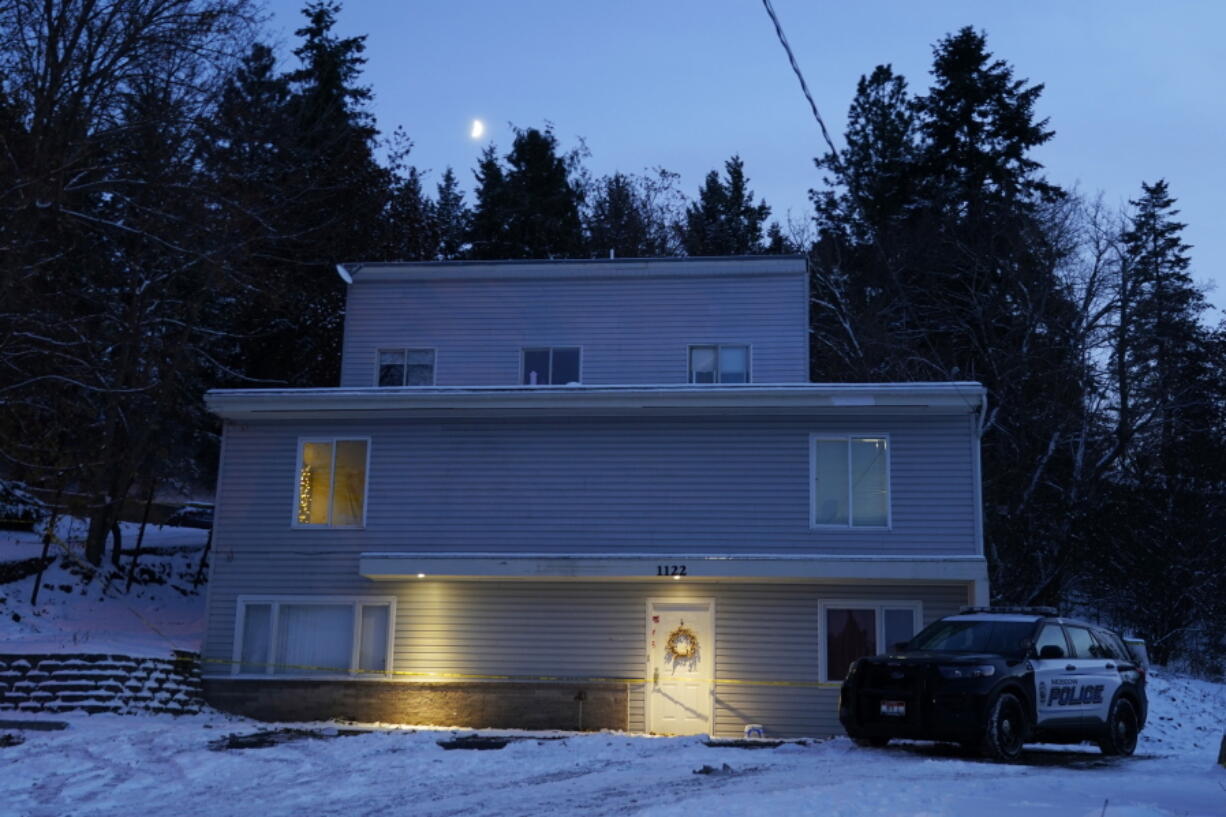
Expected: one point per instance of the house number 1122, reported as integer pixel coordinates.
(670, 570)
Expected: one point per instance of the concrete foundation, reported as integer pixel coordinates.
(474, 705)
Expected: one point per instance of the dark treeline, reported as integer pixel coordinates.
(175, 196)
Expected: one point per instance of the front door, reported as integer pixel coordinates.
(680, 666)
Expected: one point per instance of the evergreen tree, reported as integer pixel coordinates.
(327, 200)
(412, 231)
(940, 258)
(452, 218)
(531, 208)
(1166, 515)
(724, 220)
(488, 227)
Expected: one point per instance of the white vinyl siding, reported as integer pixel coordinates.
(308, 636)
(849, 481)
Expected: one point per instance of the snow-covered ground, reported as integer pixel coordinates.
(115, 765)
(164, 613)
(123, 765)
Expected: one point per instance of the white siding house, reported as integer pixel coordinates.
(588, 494)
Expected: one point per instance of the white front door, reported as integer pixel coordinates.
(680, 666)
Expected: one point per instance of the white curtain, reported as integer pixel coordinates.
(869, 482)
(350, 483)
(372, 651)
(256, 637)
(314, 639)
(830, 482)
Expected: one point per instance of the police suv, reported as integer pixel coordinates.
(993, 678)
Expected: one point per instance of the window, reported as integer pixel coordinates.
(1052, 635)
(406, 367)
(856, 629)
(850, 481)
(1110, 646)
(555, 366)
(331, 484)
(1083, 643)
(719, 363)
(313, 636)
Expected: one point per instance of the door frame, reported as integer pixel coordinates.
(649, 685)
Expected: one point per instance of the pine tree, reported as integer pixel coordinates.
(452, 218)
(724, 220)
(530, 208)
(940, 257)
(619, 222)
(1166, 515)
(488, 227)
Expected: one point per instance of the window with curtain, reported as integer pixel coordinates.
(331, 483)
(719, 363)
(858, 630)
(851, 482)
(314, 637)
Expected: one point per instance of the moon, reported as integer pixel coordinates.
(478, 129)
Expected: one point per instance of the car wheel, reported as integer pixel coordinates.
(1006, 728)
(1121, 737)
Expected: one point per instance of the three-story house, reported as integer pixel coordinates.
(579, 495)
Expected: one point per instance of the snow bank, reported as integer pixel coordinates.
(98, 616)
(108, 765)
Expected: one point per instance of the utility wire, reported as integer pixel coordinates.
(804, 86)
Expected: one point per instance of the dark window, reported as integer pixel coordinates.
(391, 367)
(1051, 634)
(551, 367)
(997, 637)
(1110, 646)
(1083, 643)
(719, 364)
(899, 626)
(850, 634)
(406, 367)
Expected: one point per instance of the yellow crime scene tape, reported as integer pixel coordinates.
(583, 679)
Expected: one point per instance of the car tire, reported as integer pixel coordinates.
(1121, 735)
(873, 742)
(1005, 730)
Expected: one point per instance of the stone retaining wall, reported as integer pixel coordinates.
(100, 683)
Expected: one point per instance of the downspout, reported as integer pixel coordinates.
(982, 589)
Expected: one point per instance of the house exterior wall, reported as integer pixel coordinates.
(450, 632)
(600, 485)
(633, 321)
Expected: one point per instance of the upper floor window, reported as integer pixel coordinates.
(719, 363)
(406, 367)
(331, 483)
(551, 366)
(850, 481)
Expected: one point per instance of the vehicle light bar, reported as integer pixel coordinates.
(1026, 611)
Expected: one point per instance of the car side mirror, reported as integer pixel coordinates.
(1051, 651)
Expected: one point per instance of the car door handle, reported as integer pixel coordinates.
(1109, 666)
(1070, 668)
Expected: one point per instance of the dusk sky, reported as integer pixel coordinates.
(1133, 89)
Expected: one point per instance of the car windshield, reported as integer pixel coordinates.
(1008, 638)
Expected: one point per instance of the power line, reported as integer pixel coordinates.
(804, 86)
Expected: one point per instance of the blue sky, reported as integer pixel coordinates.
(1133, 89)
